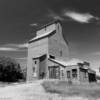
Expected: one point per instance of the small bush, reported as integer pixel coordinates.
(10, 70)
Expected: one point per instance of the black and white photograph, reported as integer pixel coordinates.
(49, 49)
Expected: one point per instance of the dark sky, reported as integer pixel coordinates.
(80, 21)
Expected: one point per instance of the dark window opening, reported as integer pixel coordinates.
(68, 74)
(53, 57)
(35, 62)
(92, 77)
(42, 75)
(74, 73)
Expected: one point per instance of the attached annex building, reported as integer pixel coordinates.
(46, 57)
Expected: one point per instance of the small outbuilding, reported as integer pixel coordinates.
(74, 71)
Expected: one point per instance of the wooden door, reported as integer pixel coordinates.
(54, 72)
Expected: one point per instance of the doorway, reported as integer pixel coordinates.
(42, 67)
(54, 72)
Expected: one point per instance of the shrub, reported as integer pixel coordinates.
(10, 70)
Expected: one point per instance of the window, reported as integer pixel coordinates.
(53, 57)
(35, 62)
(68, 74)
(34, 66)
(74, 73)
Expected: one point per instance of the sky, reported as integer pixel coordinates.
(80, 19)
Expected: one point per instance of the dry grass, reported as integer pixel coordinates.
(65, 89)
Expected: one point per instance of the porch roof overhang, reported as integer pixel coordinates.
(57, 62)
(64, 63)
(69, 63)
(38, 56)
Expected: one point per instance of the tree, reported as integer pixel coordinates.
(10, 70)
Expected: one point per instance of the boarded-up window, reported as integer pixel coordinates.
(74, 73)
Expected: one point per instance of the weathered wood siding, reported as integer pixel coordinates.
(43, 67)
(70, 68)
(51, 45)
(35, 49)
(46, 29)
(57, 45)
(83, 76)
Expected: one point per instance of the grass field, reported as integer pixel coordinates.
(64, 89)
(49, 90)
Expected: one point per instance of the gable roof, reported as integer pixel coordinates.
(46, 34)
(55, 21)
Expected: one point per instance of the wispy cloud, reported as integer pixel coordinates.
(80, 17)
(8, 49)
(34, 24)
(54, 15)
(14, 47)
(24, 58)
(25, 45)
(71, 15)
